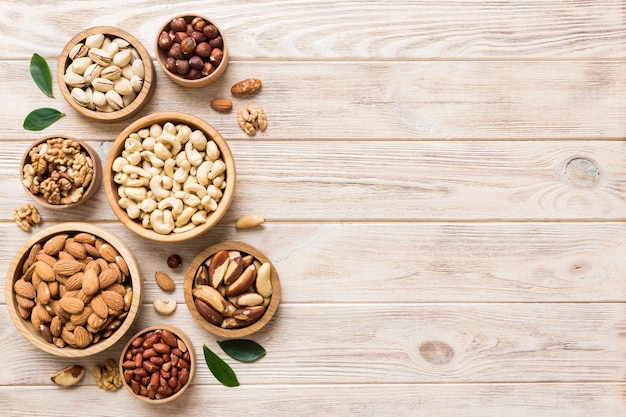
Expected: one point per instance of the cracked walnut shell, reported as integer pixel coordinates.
(252, 118)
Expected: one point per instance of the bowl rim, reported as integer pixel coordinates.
(190, 348)
(25, 327)
(190, 277)
(91, 190)
(194, 122)
(202, 81)
(144, 95)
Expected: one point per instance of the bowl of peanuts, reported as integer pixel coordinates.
(169, 177)
(191, 50)
(59, 171)
(73, 290)
(158, 364)
(106, 74)
(232, 289)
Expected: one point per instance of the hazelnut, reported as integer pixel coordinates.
(189, 30)
(210, 31)
(188, 45)
(180, 36)
(198, 36)
(216, 42)
(175, 51)
(207, 69)
(182, 66)
(203, 50)
(170, 64)
(198, 23)
(165, 42)
(216, 56)
(193, 74)
(178, 24)
(174, 261)
(196, 62)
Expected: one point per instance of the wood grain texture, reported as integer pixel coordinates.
(329, 29)
(404, 100)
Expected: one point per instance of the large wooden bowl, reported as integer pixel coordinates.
(93, 187)
(161, 56)
(143, 96)
(190, 281)
(34, 335)
(111, 187)
(192, 362)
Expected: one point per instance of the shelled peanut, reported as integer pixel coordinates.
(157, 364)
(75, 289)
(170, 177)
(105, 73)
(232, 289)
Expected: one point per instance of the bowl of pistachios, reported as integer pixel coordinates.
(106, 74)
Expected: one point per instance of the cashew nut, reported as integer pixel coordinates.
(156, 185)
(133, 169)
(132, 144)
(132, 157)
(214, 192)
(194, 157)
(136, 193)
(144, 133)
(171, 203)
(195, 188)
(184, 132)
(212, 151)
(199, 217)
(208, 203)
(198, 140)
(164, 308)
(191, 200)
(119, 163)
(148, 143)
(130, 206)
(219, 182)
(161, 151)
(152, 158)
(148, 205)
(155, 130)
(182, 172)
(168, 168)
(185, 228)
(162, 222)
(218, 168)
(151, 169)
(121, 191)
(184, 218)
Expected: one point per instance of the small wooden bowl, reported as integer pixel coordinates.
(161, 56)
(192, 362)
(25, 326)
(93, 187)
(189, 285)
(111, 188)
(143, 96)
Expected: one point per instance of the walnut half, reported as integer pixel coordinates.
(26, 216)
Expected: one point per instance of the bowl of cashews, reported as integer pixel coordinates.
(169, 177)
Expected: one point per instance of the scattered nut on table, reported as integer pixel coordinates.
(247, 86)
(252, 118)
(68, 376)
(26, 216)
(108, 376)
(221, 104)
(60, 170)
(163, 307)
(248, 221)
(164, 281)
(174, 261)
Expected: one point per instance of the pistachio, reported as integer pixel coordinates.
(99, 100)
(138, 68)
(81, 64)
(114, 99)
(74, 80)
(78, 51)
(100, 56)
(80, 96)
(123, 87)
(94, 41)
(123, 58)
(112, 72)
(92, 72)
(102, 84)
(136, 83)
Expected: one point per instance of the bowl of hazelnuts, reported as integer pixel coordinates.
(191, 50)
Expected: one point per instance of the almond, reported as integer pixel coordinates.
(55, 244)
(122, 265)
(76, 249)
(113, 300)
(221, 104)
(81, 318)
(42, 256)
(164, 281)
(107, 277)
(44, 271)
(108, 252)
(24, 289)
(43, 293)
(65, 255)
(67, 267)
(75, 282)
(23, 302)
(99, 306)
(71, 305)
(85, 238)
(91, 283)
(82, 338)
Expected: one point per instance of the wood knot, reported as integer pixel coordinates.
(436, 352)
(582, 172)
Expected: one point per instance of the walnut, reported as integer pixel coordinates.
(26, 216)
(59, 170)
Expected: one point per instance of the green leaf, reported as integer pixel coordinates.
(220, 369)
(243, 350)
(40, 71)
(41, 118)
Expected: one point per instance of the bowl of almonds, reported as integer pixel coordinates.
(191, 50)
(106, 74)
(232, 289)
(158, 364)
(73, 290)
(169, 177)
(59, 171)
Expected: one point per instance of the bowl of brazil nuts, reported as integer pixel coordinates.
(73, 290)
(106, 74)
(169, 177)
(191, 50)
(59, 171)
(232, 289)
(158, 364)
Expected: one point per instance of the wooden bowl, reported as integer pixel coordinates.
(111, 187)
(143, 95)
(203, 81)
(24, 256)
(191, 360)
(189, 284)
(92, 188)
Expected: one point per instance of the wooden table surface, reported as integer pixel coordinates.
(443, 185)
